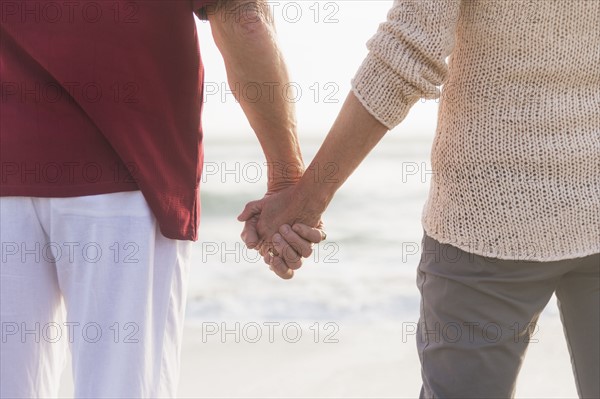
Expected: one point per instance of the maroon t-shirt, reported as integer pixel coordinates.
(100, 97)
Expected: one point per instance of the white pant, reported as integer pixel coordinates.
(93, 274)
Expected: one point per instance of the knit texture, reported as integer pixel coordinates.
(516, 156)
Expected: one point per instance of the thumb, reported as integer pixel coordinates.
(252, 208)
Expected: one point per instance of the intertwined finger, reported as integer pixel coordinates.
(312, 234)
(303, 247)
(292, 259)
(274, 260)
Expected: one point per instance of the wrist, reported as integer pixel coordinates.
(282, 174)
(315, 195)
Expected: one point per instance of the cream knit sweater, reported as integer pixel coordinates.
(516, 157)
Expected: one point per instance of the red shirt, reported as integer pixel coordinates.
(100, 97)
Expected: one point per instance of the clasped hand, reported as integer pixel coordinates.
(283, 228)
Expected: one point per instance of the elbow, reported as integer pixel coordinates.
(243, 21)
(252, 24)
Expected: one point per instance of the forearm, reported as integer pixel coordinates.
(353, 135)
(256, 71)
(388, 83)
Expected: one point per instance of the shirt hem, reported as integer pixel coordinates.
(502, 255)
(66, 191)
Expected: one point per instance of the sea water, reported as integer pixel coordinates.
(366, 270)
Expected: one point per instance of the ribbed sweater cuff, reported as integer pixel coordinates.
(380, 90)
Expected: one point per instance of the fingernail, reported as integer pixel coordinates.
(277, 237)
(285, 229)
(296, 228)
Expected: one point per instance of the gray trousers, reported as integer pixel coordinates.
(478, 315)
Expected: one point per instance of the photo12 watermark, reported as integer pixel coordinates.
(237, 252)
(255, 172)
(69, 11)
(291, 12)
(253, 332)
(254, 92)
(469, 332)
(70, 252)
(90, 332)
(67, 172)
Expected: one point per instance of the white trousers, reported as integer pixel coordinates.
(95, 275)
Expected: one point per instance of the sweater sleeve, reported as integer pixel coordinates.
(407, 58)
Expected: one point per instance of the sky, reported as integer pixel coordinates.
(324, 43)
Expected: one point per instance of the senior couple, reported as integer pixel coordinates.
(102, 156)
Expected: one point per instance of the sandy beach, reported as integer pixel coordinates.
(369, 361)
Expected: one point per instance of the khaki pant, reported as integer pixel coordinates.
(478, 315)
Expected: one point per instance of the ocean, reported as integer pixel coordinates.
(364, 273)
